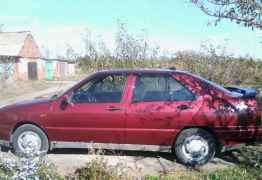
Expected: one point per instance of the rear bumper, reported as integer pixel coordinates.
(235, 136)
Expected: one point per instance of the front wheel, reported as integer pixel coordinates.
(29, 139)
(195, 146)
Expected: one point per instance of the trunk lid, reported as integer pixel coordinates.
(245, 92)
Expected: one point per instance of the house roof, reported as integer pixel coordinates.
(60, 60)
(11, 43)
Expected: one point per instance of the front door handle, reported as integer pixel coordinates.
(183, 107)
(113, 108)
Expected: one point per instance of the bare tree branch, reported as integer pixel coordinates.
(245, 12)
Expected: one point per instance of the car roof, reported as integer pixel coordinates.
(137, 71)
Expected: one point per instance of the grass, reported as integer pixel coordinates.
(248, 166)
(232, 173)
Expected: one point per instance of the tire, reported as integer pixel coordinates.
(33, 140)
(195, 147)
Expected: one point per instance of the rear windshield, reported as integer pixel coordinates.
(217, 86)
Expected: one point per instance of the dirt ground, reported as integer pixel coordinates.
(67, 161)
(31, 89)
(133, 162)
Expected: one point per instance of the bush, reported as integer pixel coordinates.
(96, 170)
(99, 169)
(222, 69)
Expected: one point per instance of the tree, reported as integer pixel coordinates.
(90, 49)
(45, 52)
(244, 12)
(129, 46)
(6, 69)
(1, 27)
(70, 53)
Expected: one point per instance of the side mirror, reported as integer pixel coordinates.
(65, 102)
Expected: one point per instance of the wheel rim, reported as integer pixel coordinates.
(195, 148)
(29, 141)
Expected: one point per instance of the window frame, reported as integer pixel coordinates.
(161, 75)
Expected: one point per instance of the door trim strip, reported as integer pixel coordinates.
(111, 146)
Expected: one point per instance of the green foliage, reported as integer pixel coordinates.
(233, 173)
(96, 170)
(215, 64)
(47, 171)
(220, 68)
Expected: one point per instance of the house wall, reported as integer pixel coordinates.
(10, 72)
(15, 71)
(57, 74)
(30, 48)
(49, 70)
(41, 69)
(21, 69)
(62, 69)
(71, 69)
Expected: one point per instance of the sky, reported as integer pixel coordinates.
(174, 25)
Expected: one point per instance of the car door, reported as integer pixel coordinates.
(96, 112)
(159, 104)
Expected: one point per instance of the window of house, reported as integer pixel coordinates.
(160, 88)
(103, 89)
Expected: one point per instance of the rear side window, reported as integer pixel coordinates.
(160, 88)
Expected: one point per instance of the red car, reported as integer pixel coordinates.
(148, 109)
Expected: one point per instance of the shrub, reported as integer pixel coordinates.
(99, 169)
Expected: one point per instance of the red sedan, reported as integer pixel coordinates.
(148, 109)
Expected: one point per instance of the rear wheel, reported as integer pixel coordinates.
(29, 138)
(195, 146)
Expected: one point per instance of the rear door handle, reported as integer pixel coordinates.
(183, 107)
(113, 108)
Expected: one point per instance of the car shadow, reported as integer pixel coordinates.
(164, 160)
(150, 154)
(248, 157)
(228, 157)
(5, 149)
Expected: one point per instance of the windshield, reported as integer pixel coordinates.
(62, 89)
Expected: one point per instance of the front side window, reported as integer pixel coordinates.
(103, 89)
(160, 88)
